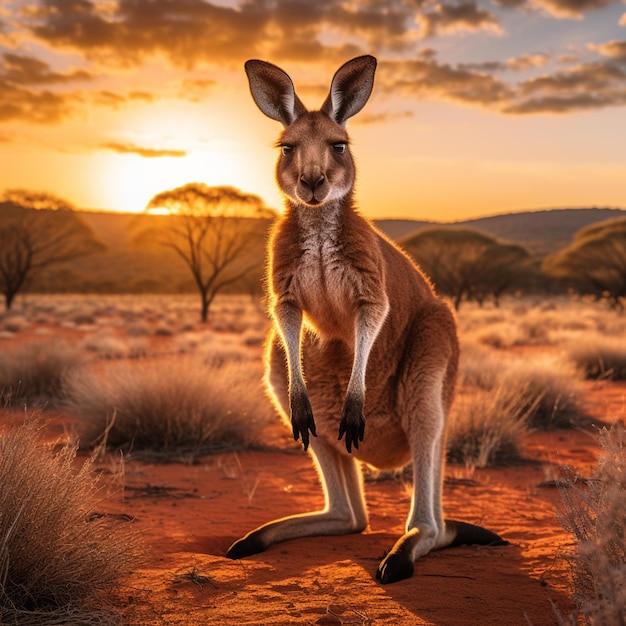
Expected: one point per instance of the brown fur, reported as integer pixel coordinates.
(358, 321)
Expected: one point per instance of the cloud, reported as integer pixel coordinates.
(613, 49)
(27, 70)
(142, 96)
(527, 62)
(510, 4)
(109, 99)
(572, 9)
(580, 88)
(376, 118)
(196, 90)
(190, 32)
(149, 153)
(518, 64)
(563, 9)
(23, 99)
(125, 32)
(425, 77)
(462, 16)
(193, 32)
(116, 100)
(18, 103)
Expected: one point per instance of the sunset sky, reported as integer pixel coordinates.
(479, 107)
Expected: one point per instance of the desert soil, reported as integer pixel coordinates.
(190, 514)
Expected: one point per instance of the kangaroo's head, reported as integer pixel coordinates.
(315, 165)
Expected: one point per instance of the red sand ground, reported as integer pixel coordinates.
(190, 515)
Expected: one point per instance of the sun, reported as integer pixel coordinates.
(172, 145)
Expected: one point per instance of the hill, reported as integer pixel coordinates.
(126, 267)
(540, 232)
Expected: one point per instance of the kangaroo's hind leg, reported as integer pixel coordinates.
(344, 511)
(425, 525)
(426, 528)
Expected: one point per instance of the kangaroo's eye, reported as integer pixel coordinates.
(339, 147)
(286, 149)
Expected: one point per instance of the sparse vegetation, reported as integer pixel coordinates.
(202, 382)
(544, 389)
(599, 357)
(34, 371)
(170, 408)
(500, 399)
(217, 231)
(554, 398)
(595, 261)
(58, 564)
(488, 427)
(465, 264)
(595, 512)
(38, 230)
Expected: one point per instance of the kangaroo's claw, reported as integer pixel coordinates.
(302, 419)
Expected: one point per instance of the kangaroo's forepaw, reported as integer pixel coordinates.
(352, 424)
(394, 567)
(302, 419)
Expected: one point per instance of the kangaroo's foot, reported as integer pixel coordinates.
(399, 563)
(394, 567)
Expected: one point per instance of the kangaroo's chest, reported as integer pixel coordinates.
(327, 285)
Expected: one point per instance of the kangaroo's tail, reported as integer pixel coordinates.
(464, 534)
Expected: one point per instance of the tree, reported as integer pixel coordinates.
(467, 265)
(217, 231)
(595, 262)
(38, 230)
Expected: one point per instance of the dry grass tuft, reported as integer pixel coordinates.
(34, 371)
(552, 389)
(500, 398)
(487, 427)
(171, 408)
(56, 566)
(595, 511)
(550, 384)
(599, 357)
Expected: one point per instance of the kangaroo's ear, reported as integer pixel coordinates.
(273, 92)
(351, 87)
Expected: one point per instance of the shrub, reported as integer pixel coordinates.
(595, 511)
(57, 566)
(168, 408)
(600, 357)
(14, 323)
(554, 398)
(35, 371)
(487, 427)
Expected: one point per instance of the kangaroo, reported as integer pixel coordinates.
(351, 313)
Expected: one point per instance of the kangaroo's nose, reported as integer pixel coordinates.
(312, 182)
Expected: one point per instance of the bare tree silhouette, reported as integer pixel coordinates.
(215, 230)
(38, 230)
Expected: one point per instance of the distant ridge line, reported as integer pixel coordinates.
(541, 231)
